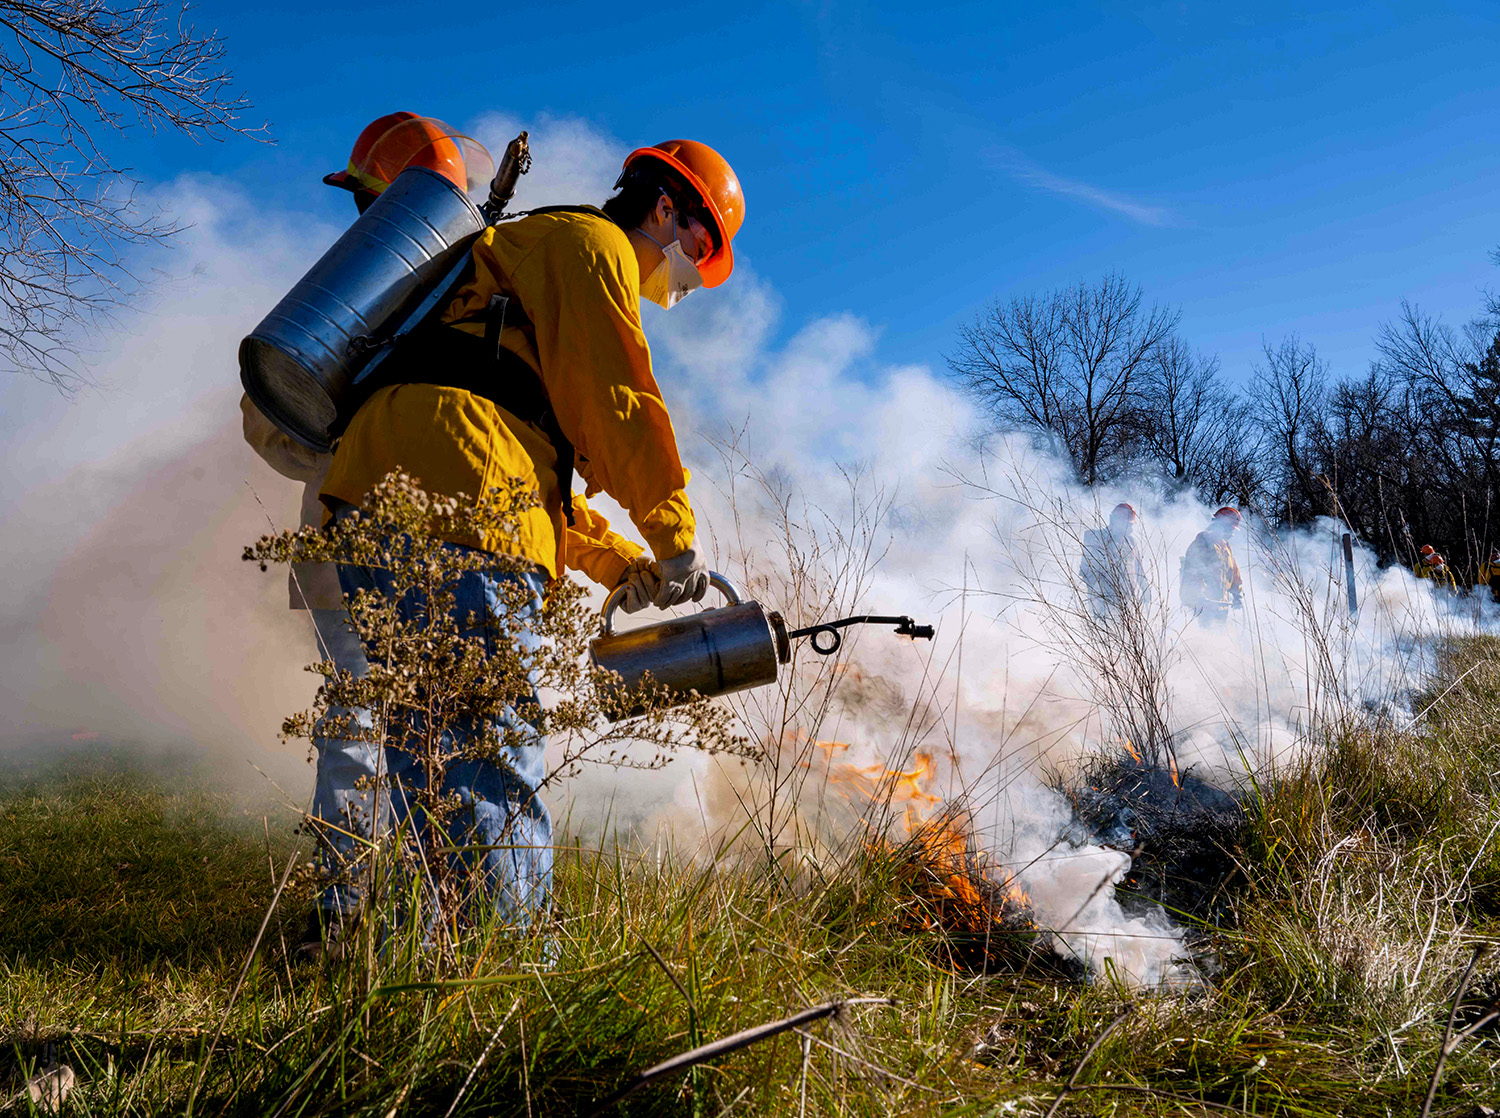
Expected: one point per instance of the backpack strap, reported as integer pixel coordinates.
(433, 353)
(440, 355)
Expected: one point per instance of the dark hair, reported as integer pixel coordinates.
(639, 188)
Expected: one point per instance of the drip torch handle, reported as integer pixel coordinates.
(731, 592)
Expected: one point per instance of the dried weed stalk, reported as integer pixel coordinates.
(442, 693)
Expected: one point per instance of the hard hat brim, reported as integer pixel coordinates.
(343, 180)
(716, 267)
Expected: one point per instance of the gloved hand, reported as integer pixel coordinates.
(1236, 598)
(641, 585)
(684, 578)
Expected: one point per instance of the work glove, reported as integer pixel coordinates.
(684, 578)
(641, 585)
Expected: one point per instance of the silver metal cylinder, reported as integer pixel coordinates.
(298, 364)
(712, 652)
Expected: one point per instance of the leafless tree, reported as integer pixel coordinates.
(1196, 427)
(1067, 364)
(73, 74)
(1290, 389)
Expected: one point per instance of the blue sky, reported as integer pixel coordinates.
(1291, 169)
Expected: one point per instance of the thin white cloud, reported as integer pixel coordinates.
(1024, 170)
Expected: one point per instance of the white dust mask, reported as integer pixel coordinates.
(675, 276)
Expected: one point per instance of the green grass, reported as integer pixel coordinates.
(130, 896)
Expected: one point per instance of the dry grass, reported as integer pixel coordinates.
(1334, 984)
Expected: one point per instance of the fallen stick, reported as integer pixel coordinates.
(1072, 1084)
(1458, 996)
(735, 1041)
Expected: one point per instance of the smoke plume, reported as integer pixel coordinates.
(130, 619)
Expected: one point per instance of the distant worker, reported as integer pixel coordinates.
(342, 797)
(1211, 582)
(1432, 566)
(1112, 571)
(1489, 574)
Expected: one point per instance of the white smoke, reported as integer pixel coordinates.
(130, 616)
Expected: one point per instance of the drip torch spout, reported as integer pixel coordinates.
(826, 638)
(513, 164)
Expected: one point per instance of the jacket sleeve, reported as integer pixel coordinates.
(592, 547)
(582, 294)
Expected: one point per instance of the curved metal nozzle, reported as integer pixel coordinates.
(832, 639)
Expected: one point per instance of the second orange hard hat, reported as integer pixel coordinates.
(396, 141)
(714, 180)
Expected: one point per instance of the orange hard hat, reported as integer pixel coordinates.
(1231, 513)
(396, 141)
(714, 181)
(1125, 507)
(1427, 549)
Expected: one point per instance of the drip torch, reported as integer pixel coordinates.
(712, 652)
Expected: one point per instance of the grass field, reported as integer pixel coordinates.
(131, 895)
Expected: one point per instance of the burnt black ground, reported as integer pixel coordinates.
(1181, 834)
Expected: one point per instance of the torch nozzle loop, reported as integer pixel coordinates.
(826, 638)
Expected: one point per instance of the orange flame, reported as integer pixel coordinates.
(943, 865)
(1135, 755)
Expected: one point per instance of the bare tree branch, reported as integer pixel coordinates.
(74, 74)
(1198, 430)
(1068, 365)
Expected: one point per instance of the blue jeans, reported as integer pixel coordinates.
(501, 816)
(343, 812)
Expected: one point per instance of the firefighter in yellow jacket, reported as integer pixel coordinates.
(1211, 582)
(1489, 573)
(537, 368)
(1432, 566)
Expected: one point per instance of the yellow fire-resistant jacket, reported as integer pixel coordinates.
(1210, 576)
(1489, 575)
(1442, 577)
(576, 277)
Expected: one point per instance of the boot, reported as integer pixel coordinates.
(327, 933)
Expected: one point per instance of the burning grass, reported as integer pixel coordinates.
(975, 917)
(1365, 877)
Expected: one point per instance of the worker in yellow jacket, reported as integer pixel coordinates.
(1432, 566)
(539, 368)
(340, 816)
(1489, 573)
(1211, 582)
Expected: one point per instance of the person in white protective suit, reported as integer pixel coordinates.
(1112, 570)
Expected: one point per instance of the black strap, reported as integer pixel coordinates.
(451, 358)
(438, 354)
